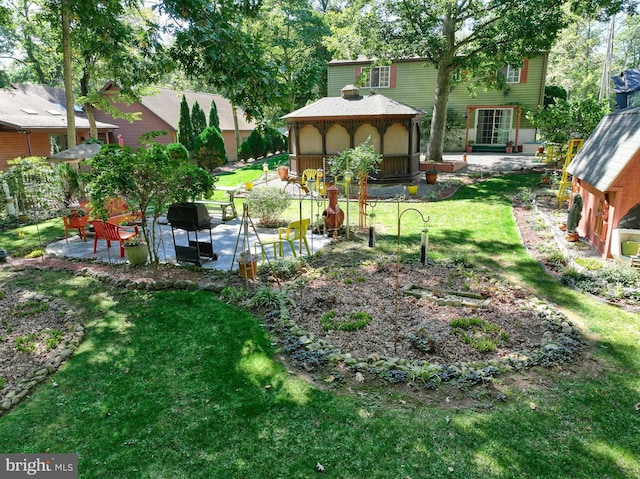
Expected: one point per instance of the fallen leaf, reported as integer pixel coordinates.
(359, 377)
(329, 379)
(268, 386)
(402, 401)
(448, 419)
(447, 399)
(319, 467)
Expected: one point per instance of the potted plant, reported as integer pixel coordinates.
(431, 176)
(509, 146)
(412, 189)
(470, 144)
(136, 250)
(248, 265)
(283, 172)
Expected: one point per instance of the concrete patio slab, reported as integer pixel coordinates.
(227, 242)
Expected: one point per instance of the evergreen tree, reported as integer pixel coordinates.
(185, 128)
(211, 152)
(256, 143)
(198, 120)
(214, 119)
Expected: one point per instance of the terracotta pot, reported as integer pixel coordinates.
(469, 149)
(509, 149)
(572, 237)
(431, 177)
(283, 172)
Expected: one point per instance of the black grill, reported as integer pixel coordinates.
(188, 216)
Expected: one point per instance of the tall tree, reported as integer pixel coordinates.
(292, 35)
(198, 120)
(185, 128)
(476, 36)
(68, 72)
(211, 42)
(575, 61)
(31, 39)
(214, 119)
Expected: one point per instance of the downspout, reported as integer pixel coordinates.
(28, 143)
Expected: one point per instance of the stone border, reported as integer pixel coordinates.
(66, 350)
(561, 343)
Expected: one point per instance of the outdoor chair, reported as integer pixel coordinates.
(296, 232)
(308, 174)
(110, 232)
(78, 223)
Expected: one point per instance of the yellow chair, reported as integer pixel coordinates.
(277, 247)
(308, 174)
(296, 232)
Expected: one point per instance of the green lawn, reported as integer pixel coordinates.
(176, 384)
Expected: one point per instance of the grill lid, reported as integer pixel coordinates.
(188, 216)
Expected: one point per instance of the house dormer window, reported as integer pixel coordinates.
(379, 77)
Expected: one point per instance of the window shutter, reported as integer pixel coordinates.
(392, 76)
(524, 71)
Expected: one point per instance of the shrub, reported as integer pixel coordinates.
(244, 153)
(177, 151)
(273, 140)
(283, 268)
(256, 143)
(210, 151)
(268, 203)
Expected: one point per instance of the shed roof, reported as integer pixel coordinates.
(360, 106)
(609, 149)
(37, 107)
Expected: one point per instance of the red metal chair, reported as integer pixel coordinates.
(78, 223)
(110, 232)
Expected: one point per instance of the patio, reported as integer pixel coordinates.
(227, 240)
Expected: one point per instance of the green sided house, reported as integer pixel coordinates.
(492, 118)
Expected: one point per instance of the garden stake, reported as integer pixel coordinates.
(372, 228)
(423, 246)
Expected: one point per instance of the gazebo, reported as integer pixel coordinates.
(332, 124)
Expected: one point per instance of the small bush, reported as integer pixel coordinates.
(268, 203)
(233, 295)
(256, 143)
(283, 268)
(244, 152)
(266, 297)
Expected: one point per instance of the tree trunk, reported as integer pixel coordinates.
(88, 106)
(68, 74)
(236, 128)
(446, 65)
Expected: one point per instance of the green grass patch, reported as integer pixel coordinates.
(353, 322)
(479, 333)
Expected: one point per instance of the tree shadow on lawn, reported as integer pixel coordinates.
(168, 383)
